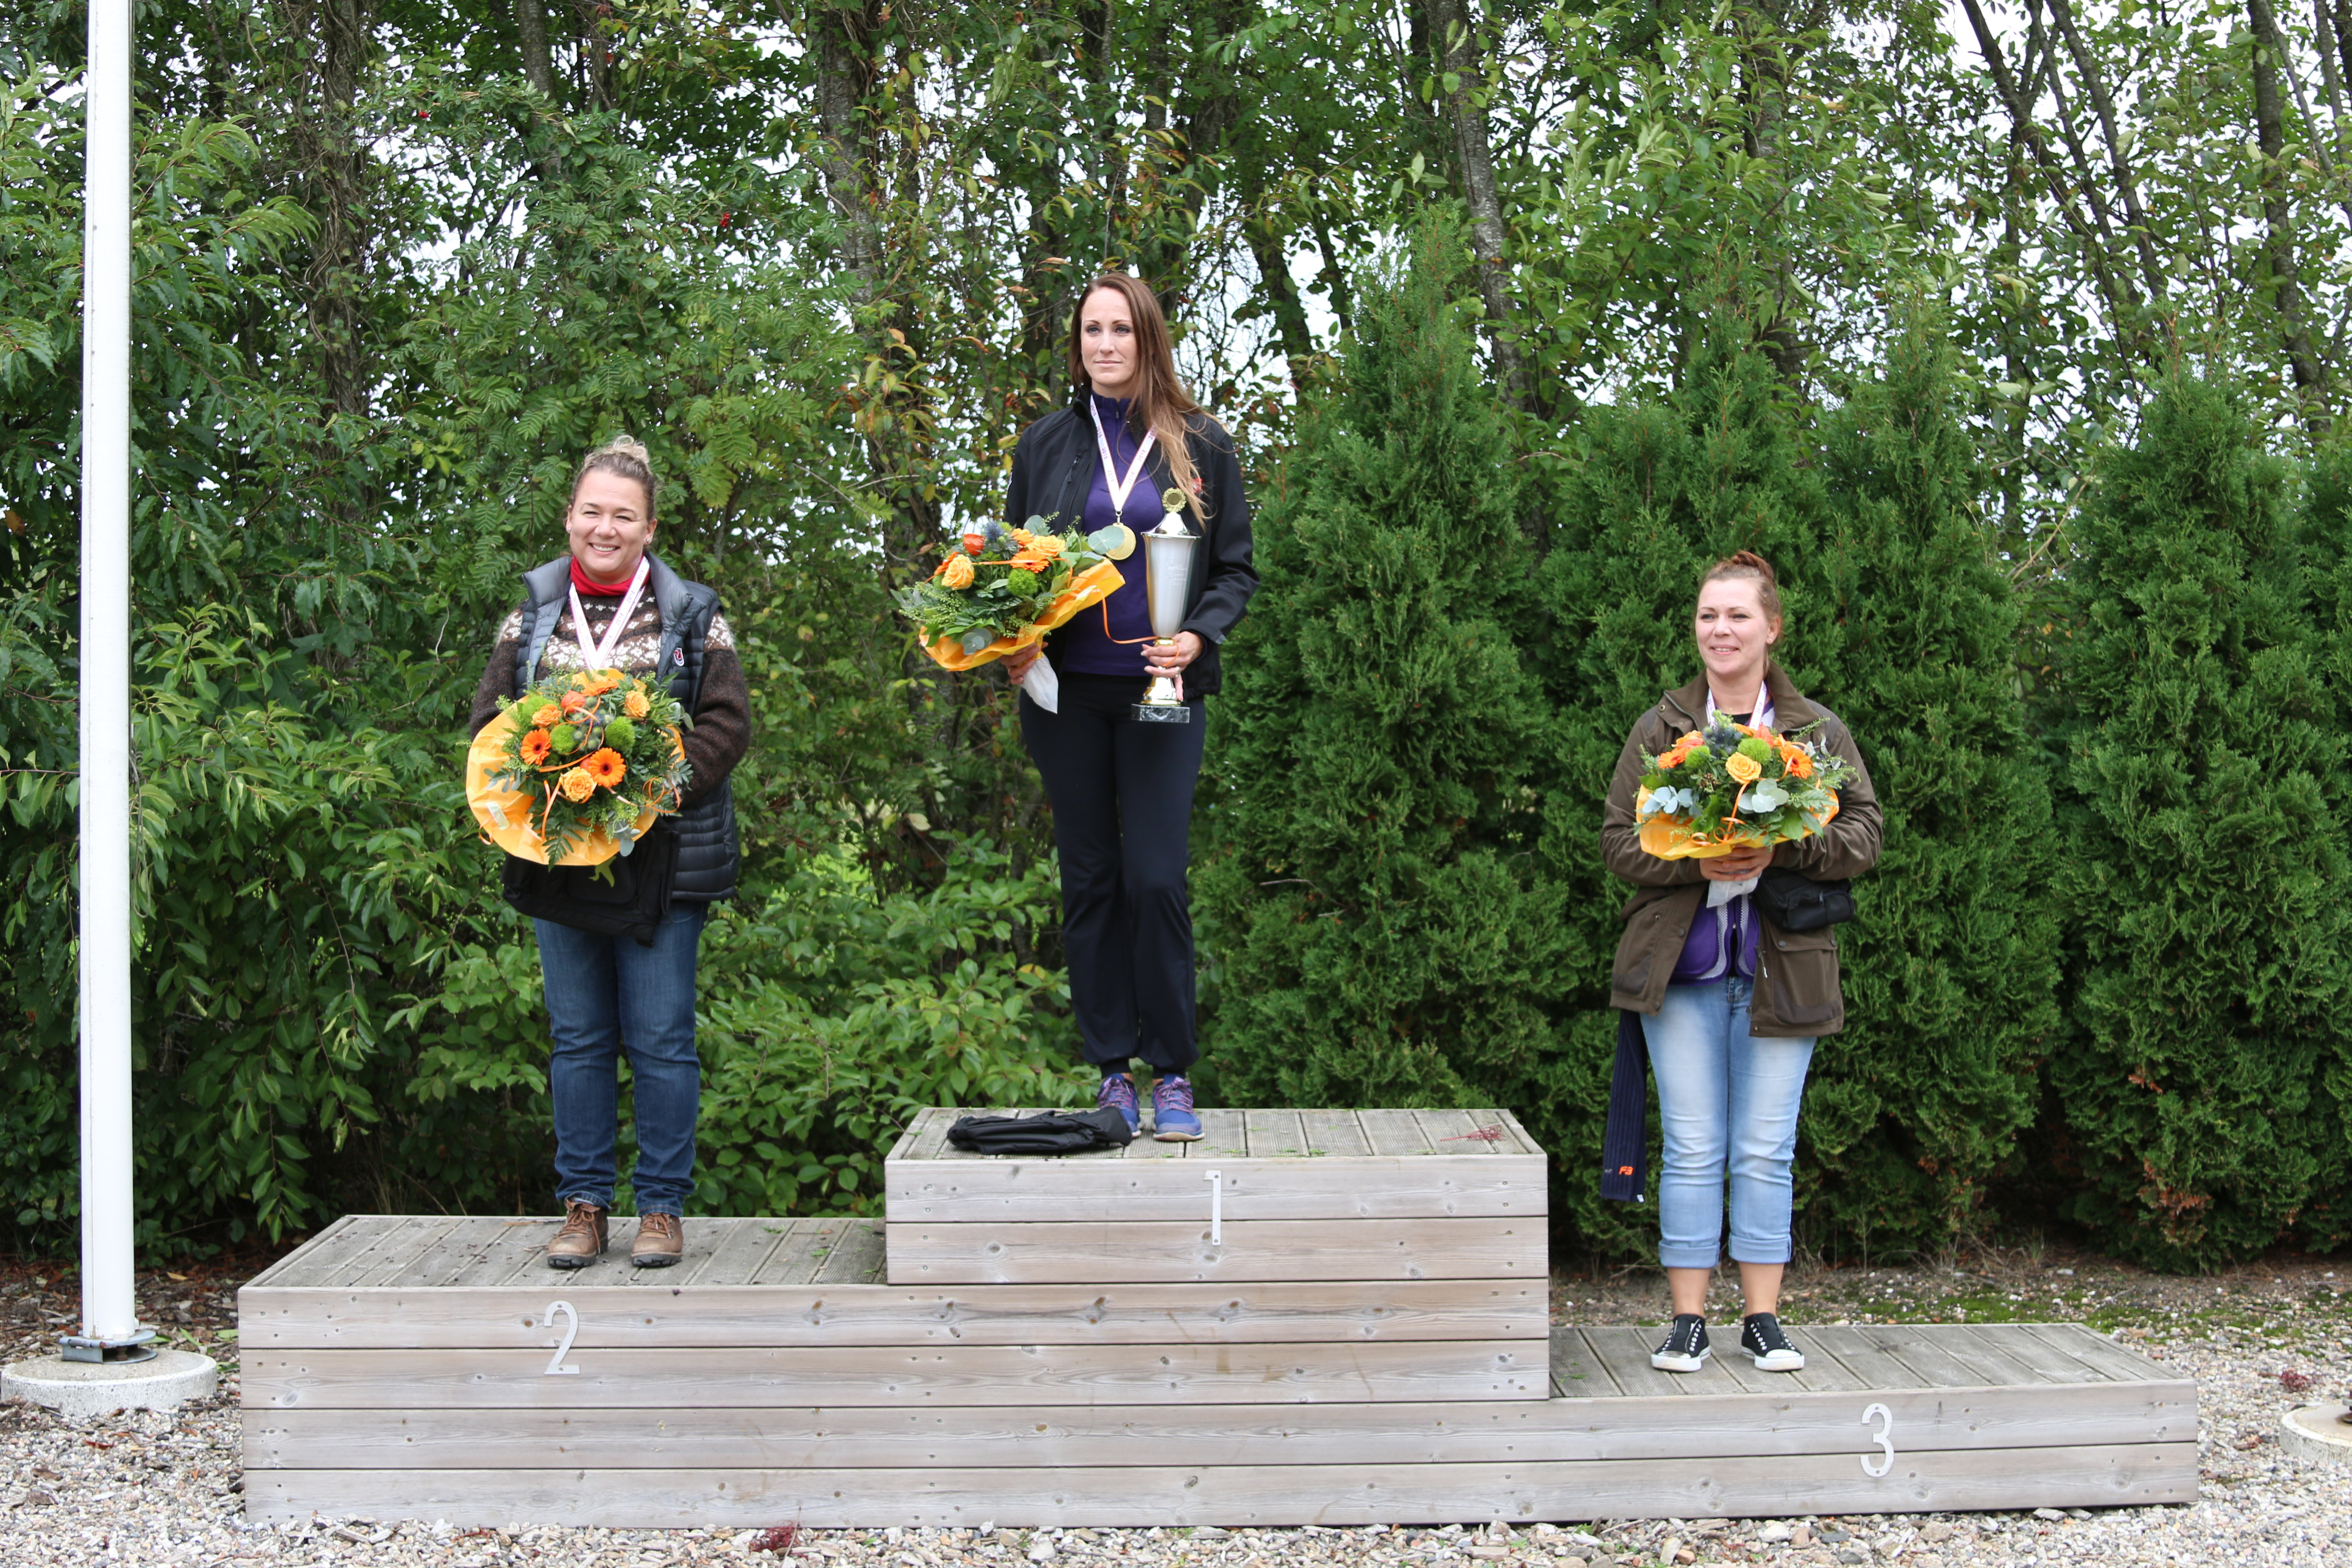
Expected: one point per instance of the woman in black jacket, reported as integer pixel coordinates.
(1134, 447)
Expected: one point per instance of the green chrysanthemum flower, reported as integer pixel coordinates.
(565, 738)
(1023, 582)
(620, 734)
(1757, 748)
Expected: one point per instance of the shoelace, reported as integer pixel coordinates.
(1117, 1093)
(1765, 1330)
(1683, 1339)
(1172, 1094)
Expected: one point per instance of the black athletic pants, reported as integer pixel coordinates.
(1122, 795)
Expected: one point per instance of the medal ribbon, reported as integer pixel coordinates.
(1120, 488)
(599, 654)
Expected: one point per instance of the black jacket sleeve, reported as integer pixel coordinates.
(1233, 576)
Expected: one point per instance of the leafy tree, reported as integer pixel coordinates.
(2204, 874)
(1385, 935)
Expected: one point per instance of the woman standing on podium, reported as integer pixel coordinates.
(1730, 1004)
(1133, 446)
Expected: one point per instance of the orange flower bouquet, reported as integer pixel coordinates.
(575, 770)
(1736, 786)
(1000, 589)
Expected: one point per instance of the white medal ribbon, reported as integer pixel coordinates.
(1120, 488)
(599, 654)
(1760, 716)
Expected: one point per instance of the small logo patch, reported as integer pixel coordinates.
(678, 656)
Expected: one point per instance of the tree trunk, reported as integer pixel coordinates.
(538, 66)
(1455, 44)
(2286, 289)
(333, 165)
(2087, 67)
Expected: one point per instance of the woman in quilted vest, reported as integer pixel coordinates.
(610, 604)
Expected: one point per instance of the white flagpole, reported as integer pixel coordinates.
(109, 1315)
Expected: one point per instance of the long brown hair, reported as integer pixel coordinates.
(1160, 402)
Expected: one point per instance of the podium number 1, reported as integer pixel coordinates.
(1217, 1180)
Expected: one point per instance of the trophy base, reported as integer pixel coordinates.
(1153, 713)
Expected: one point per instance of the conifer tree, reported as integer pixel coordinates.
(1950, 968)
(1384, 935)
(2203, 875)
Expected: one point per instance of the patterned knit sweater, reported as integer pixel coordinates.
(722, 732)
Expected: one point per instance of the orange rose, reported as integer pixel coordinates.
(606, 767)
(1023, 537)
(535, 747)
(973, 544)
(578, 786)
(548, 716)
(606, 681)
(1743, 767)
(957, 573)
(636, 705)
(573, 702)
(1045, 545)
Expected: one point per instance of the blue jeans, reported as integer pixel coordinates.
(604, 994)
(1727, 1099)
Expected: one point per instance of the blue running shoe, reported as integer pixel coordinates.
(1118, 1093)
(1173, 1120)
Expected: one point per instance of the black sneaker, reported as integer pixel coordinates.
(1767, 1346)
(1685, 1348)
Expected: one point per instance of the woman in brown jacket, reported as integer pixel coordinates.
(1730, 1004)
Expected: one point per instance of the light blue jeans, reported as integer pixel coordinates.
(605, 995)
(1728, 1100)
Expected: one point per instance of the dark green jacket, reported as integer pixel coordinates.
(1797, 992)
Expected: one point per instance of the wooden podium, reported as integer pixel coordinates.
(1324, 1317)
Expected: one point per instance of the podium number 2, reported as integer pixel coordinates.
(1884, 1438)
(555, 1367)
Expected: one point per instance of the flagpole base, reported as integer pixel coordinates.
(75, 1389)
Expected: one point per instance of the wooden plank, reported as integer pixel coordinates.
(512, 1247)
(2038, 1356)
(857, 1258)
(1222, 1136)
(1334, 1134)
(928, 1135)
(1576, 1372)
(1393, 1132)
(1462, 1132)
(1274, 1135)
(298, 1264)
(934, 1374)
(462, 1245)
(1162, 1251)
(1275, 1312)
(2092, 1348)
(1490, 1431)
(736, 1257)
(1378, 1187)
(1862, 1360)
(1626, 1353)
(2127, 1475)
(1945, 1354)
(393, 1248)
(797, 1256)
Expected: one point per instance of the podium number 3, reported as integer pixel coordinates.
(1884, 1438)
(555, 1367)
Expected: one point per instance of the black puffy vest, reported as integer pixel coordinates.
(709, 853)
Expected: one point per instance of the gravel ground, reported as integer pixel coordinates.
(163, 1489)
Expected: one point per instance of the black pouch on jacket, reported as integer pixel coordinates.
(1794, 901)
(632, 904)
(1052, 1133)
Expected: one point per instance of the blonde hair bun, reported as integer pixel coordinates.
(624, 457)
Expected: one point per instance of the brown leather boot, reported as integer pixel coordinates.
(581, 1240)
(661, 1241)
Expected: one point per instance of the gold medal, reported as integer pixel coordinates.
(1171, 499)
(1124, 545)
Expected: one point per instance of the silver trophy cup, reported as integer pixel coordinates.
(1166, 581)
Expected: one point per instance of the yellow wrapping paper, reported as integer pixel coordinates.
(509, 818)
(1673, 839)
(1087, 589)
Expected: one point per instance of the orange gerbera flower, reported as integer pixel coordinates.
(1796, 762)
(1029, 561)
(578, 786)
(606, 681)
(636, 705)
(573, 702)
(535, 747)
(548, 716)
(606, 767)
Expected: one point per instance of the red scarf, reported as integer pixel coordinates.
(588, 585)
